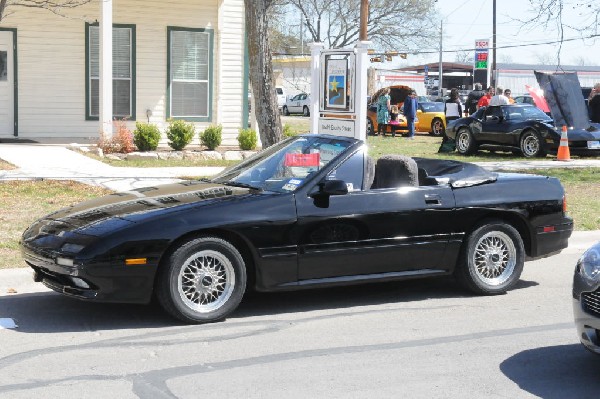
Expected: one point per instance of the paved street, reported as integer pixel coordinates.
(419, 339)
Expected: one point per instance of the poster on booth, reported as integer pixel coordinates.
(336, 83)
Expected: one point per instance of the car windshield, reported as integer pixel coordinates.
(526, 113)
(285, 166)
(432, 107)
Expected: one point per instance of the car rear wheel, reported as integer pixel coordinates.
(492, 259)
(531, 145)
(437, 127)
(286, 112)
(465, 144)
(305, 111)
(202, 281)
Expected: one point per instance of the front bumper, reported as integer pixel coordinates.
(586, 312)
(106, 281)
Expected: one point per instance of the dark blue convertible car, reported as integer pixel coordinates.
(520, 128)
(310, 211)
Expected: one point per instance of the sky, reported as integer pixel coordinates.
(465, 21)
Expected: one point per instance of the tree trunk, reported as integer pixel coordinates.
(261, 72)
(2, 7)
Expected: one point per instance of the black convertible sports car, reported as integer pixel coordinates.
(586, 298)
(521, 127)
(310, 211)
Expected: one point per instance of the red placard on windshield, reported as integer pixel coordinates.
(302, 159)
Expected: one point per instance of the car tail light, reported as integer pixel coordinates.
(564, 201)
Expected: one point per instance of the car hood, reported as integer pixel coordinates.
(109, 213)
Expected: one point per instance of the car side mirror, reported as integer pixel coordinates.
(331, 187)
(327, 189)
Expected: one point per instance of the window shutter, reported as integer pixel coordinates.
(190, 59)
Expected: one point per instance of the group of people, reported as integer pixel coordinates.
(387, 114)
(478, 98)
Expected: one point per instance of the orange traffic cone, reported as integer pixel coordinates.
(563, 149)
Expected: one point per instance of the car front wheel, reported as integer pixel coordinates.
(202, 281)
(492, 259)
(531, 145)
(286, 112)
(437, 127)
(465, 144)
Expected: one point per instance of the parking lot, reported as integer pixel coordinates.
(417, 339)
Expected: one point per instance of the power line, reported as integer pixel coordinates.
(507, 46)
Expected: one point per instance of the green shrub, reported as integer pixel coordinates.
(248, 139)
(180, 134)
(211, 137)
(146, 136)
(287, 131)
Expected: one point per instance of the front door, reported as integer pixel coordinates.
(7, 104)
(373, 231)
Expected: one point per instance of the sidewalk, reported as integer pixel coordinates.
(59, 163)
(45, 161)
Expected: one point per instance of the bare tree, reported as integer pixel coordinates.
(55, 6)
(545, 58)
(551, 14)
(393, 24)
(261, 71)
(464, 57)
(581, 61)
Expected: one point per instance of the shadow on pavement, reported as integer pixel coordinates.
(566, 371)
(50, 312)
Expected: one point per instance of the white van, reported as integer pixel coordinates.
(281, 96)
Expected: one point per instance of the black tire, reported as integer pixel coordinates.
(531, 145)
(437, 127)
(465, 143)
(305, 111)
(285, 110)
(370, 128)
(202, 281)
(491, 259)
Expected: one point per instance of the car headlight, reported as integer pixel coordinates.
(72, 248)
(589, 265)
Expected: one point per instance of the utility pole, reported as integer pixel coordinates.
(440, 79)
(494, 44)
(364, 19)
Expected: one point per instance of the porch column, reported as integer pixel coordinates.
(106, 95)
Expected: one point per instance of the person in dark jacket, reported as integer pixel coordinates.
(473, 98)
(594, 104)
(410, 112)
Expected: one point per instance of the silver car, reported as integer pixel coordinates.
(586, 298)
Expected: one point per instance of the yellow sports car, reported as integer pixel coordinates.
(431, 118)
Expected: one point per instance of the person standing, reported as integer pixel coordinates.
(410, 112)
(507, 94)
(594, 104)
(473, 98)
(499, 98)
(383, 111)
(453, 107)
(485, 100)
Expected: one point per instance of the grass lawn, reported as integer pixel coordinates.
(23, 202)
(5, 165)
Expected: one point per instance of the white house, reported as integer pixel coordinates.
(181, 59)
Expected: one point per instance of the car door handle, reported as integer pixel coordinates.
(433, 199)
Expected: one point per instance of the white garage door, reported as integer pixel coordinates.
(7, 107)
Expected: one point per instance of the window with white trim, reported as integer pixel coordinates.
(122, 71)
(189, 73)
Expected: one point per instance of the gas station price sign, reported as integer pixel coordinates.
(481, 53)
